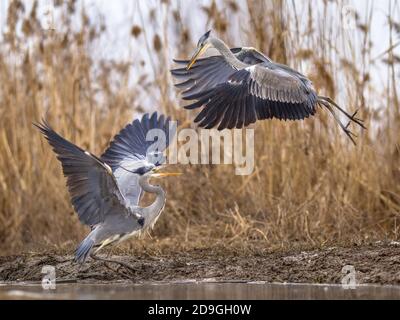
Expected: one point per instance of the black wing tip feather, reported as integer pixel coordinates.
(46, 129)
(131, 140)
(49, 133)
(192, 106)
(256, 109)
(185, 84)
(180, 61)
(154, 120)
(43, 126)
(55, 139)
(62, 146)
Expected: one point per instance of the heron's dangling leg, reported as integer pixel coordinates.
(80, 266)
(106, 243)
(121, 263)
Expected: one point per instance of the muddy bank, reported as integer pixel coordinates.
(374, 264)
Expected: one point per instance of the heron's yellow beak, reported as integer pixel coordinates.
(197, 54)
(166, 174)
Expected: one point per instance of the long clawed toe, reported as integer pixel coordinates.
(329, 104)
(359, 121)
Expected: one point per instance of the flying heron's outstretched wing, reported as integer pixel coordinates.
(205, 74)
(235, 98)
(136, 149)
(90, 181)
(208, 72)
(260, 91)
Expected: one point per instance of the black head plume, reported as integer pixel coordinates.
(141, 170)
(204, 37)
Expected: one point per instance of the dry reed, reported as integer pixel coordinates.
(310, 186)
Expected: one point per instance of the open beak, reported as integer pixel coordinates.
(196, 55)
(165, 174)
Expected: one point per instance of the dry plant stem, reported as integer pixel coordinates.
(309, 185)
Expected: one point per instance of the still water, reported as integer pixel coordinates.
(197, 290)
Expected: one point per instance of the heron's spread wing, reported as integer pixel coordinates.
(235, 97)
(209, 72)
(137, 149)
(275, 84)
(90, 181)
(204, 75)
(261, 91)
(135, 143)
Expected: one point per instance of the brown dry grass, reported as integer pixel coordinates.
(310, 186)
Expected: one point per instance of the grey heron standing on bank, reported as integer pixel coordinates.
(105, 191)
(242, 85)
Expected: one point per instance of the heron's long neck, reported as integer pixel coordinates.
(226, 53)
(152, 212)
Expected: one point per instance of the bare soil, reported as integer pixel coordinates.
(377, 263)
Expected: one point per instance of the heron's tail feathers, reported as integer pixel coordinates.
(329, 104)
(84, 249)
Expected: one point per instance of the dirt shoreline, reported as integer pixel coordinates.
(374, 264)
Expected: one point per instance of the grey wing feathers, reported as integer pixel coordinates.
(130, 151)
(92, 187)
(131, 144)
(205, 74)
(209, 72)
(263, 90)
(244, 98)
(277, 85)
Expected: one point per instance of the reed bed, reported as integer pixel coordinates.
(310, 186)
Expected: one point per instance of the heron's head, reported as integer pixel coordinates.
(140, 169)
(151, 171)
(202, 46)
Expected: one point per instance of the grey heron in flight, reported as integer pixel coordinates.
(242, 85)
(105, 191)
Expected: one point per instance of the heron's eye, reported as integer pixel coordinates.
(201, 41)
(141, 171)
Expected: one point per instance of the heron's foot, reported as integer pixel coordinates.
(121, 263)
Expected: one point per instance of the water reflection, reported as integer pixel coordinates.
(198, 290)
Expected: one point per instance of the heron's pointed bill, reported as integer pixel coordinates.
(166, 174)
(196, 55)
